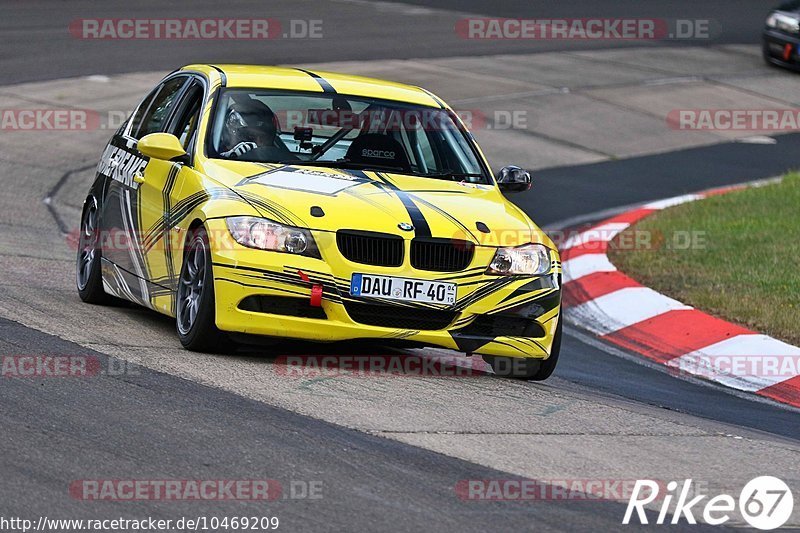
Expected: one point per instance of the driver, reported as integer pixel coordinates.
(248, 126)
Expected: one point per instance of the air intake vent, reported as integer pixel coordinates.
(282, 305)
(503, 325)
(395, 316)
(441, 255)
(369, 248)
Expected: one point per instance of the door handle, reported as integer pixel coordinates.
(138, 177)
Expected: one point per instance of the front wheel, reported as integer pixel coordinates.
(89, 277)
(524, 368)
(195, 308)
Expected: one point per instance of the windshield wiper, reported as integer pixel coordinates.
(445, 175)
(448, 175)
(344, 165)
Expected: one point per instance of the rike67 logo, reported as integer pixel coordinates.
(765, 503)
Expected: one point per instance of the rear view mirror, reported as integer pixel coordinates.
(513, 179)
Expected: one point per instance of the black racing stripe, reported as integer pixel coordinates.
(326, 86)
(395, 303)
(467, 343)
(434, 97)
(421, 227)
(223, 78)
(528, 341)
(167, 199)
(357, 173)
(322, 275)
(483, 292)
(551, 318)
(517, 348)
(448, 216)
(330, 290)
(539, 284)
(180, 211)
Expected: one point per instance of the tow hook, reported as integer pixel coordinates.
(316, 290)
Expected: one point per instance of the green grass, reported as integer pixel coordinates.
(745, 265)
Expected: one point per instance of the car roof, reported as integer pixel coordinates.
(288, 78)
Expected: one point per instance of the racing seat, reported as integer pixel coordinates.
(379, 150)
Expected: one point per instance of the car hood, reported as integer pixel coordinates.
(328, 199)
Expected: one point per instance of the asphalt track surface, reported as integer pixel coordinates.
(565, 192)
(38, 46)
(147, 425)
(150, 424)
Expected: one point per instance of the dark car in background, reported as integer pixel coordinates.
(781, 38)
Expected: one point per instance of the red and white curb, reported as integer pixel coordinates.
(603, 300)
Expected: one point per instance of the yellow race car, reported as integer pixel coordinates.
(280, 202)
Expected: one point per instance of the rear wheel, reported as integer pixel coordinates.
(89, 276)
(195, 308)
(524, 368)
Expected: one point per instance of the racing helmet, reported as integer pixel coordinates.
(250, 121)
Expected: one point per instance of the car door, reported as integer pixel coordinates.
(125, 270)
(160, 193)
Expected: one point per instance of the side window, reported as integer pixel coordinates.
(187, 117)
(136, 120)
(158, 111)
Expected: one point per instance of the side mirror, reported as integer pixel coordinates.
(513, 179)
(164, 146)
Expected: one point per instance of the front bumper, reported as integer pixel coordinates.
(269, 294)
(781, 49)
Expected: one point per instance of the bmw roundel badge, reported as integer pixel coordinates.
(405, 226)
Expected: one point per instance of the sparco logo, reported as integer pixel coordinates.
(380, 154)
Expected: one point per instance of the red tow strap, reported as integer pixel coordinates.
(316, 290)
(316, 296)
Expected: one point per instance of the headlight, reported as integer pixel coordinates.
(784, 22)
(530, 259)
(264, 234)
(771, 20)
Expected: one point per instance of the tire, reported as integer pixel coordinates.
(549, 365)
(528, 369)
(88, 271)
(513, 367)
(195, 309)
(767, 56)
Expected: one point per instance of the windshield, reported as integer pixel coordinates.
(268, 126)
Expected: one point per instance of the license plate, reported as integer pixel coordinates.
(408, 290)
